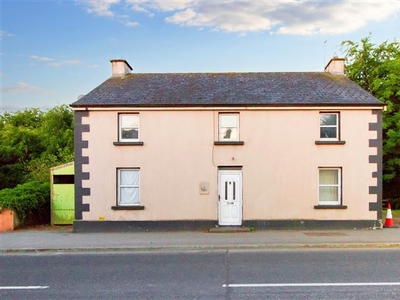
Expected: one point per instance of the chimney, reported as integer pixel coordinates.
(120, 67)
(335, 66)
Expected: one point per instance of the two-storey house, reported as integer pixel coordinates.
(197, 150)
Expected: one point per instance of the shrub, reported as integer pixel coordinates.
(26, 198)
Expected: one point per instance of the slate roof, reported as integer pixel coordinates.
(227, 89)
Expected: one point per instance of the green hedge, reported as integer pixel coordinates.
(26, 198)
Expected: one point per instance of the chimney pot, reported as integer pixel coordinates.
(335, 66)
(120, 67)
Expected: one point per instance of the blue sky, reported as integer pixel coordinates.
(54, 51)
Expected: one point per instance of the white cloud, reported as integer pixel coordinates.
(4, 33)
(64, 62)
(131, 24)
(102, 8)
(72, 62)
(161, 5)
(99, 7)
(302, 17)
(235, 17)
(41, 58)
(337, 17)
(296, 17)
(124, 19)
(51, 62)
(22, 87)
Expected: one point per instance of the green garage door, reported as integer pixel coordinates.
(62, 195)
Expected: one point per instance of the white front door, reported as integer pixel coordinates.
(230, 197)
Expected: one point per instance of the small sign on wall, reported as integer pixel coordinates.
(204, 188)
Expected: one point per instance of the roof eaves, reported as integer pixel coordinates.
(230, 105)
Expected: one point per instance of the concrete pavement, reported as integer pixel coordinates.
(63, 239)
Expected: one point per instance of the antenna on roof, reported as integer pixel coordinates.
(324, 53)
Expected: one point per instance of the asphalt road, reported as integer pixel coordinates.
(289, 274)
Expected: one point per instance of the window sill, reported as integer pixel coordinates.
(128, 207)
(128, 143)
(229, 143)
(330, 142)
(330, 207)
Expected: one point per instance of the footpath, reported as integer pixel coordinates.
(62, 239)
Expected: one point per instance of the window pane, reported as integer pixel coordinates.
(328, 176)
(129, 133)
(328, 119)
(228, 120)
(129, 195)
(328, 132)
(328, 193)
(129, 177)
(229, 133)
(129, 120)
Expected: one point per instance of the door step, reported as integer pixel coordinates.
(229, 229)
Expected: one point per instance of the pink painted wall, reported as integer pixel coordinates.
(279, 157)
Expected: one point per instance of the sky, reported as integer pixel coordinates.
(53, 51)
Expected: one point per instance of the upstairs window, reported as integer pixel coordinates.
(228, 127)
(128, 127)
(329, 186)
(329, 126)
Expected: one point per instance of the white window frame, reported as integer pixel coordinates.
(222, 128)
(336, 126)
(120, 128)
(122, 186)
(338, 201)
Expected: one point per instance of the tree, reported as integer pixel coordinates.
(376, 68)
(57, 137)
(19, 142)
(32, 141)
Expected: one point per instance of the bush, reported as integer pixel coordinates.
(27, 200)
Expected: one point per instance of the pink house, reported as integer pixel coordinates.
(198, 150)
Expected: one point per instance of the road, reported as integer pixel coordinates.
(234, 274)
